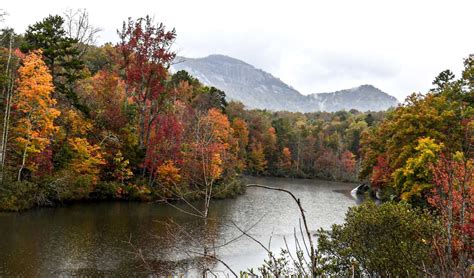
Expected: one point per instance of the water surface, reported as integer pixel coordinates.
(94, 238)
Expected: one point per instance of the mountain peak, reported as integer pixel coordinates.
(256, 88)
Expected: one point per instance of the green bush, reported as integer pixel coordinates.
(21, 195)
(229, 189)
(392, 239)
(106, 190)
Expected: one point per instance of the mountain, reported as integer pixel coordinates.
(362, 98)
(256, 88)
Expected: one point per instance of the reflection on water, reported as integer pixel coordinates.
(93, 239)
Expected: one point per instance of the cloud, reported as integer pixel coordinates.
(314, 46)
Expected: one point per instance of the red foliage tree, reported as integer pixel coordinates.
(381, 174)
(146, 56)
(452, 197)
(164, 143)
(348, 161)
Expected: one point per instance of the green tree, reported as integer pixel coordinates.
(59, 53)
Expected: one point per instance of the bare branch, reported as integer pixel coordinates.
(78, 27)
(298, 202)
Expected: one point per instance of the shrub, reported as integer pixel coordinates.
(392, 239)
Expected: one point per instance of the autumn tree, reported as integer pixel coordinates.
(414, 177)
(86, 158)
(146, 56)
(440, 115)
(452, 196)
(104, 94)
(348, 164)
(381, 174)
(241, 134)
(35, 106)
(165, 144)
(169, 178)
(211, 133)
(122, 170)
(257, 164)
(284, 163)
(59, 53)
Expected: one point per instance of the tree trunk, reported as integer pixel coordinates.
(6, 119)
(23, 161)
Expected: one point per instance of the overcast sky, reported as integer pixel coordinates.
(314, 46)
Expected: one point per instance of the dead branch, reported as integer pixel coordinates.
(298, 202)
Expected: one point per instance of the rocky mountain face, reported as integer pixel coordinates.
(256, 88)
(362, 98)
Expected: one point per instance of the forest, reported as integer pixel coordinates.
(83, 122)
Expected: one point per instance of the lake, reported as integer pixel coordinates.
(103, 239)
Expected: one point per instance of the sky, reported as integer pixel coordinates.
(313, 46)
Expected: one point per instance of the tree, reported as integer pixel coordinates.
(443, 79)
(414, 178)
(122, 170)
(284, 163)
(348, 163)
(7, 76)
(87, 158)
(165, 143)
(168, 177)
(257, 164)
(381, 174)
(104, 95)
(452, 196)
(146, 55)
(59, 53)
(212, 133)
(241, 134)
(78, 27)
(34, 103)
(439, 116)
(210, 97)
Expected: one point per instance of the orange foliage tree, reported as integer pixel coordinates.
(212, 133)
(35, 106)
(285, 161)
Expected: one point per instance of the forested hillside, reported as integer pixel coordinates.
(82, 121)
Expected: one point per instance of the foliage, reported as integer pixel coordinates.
(86, 157)
(397, 152)
(61, 57)
(145, 53)
(415, 177)
(452, 197)
(33, 102)
(392, 239)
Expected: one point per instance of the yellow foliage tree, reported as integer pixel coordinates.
(122, 168)
(86, 158)
(34, 103)
(257, 163)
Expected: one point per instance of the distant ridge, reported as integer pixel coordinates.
(256, 88)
